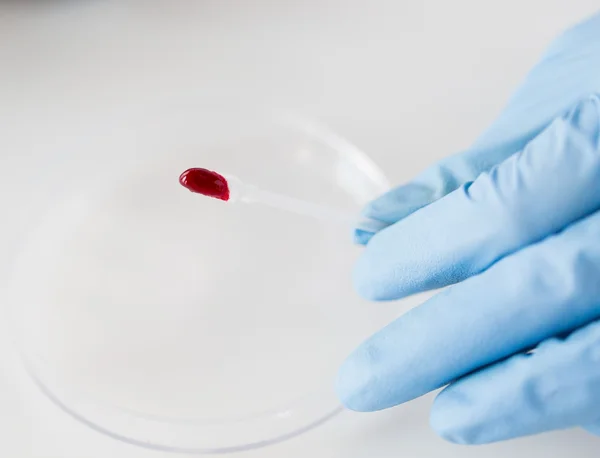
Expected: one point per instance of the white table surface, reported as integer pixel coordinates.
(407, 81)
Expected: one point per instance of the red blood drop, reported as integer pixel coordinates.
(205, 182)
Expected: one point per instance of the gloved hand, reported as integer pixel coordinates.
(514, 225)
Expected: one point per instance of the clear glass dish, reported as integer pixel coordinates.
(181, 323)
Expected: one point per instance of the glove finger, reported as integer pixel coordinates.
(542, 291)
(551, 183)
(556, 387)
(568, 71)
(594, 428)
(441, 179)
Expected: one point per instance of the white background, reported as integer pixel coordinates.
(407, 81)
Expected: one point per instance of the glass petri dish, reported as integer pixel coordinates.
(180, 323)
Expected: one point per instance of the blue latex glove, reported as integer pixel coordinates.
(514, 225)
